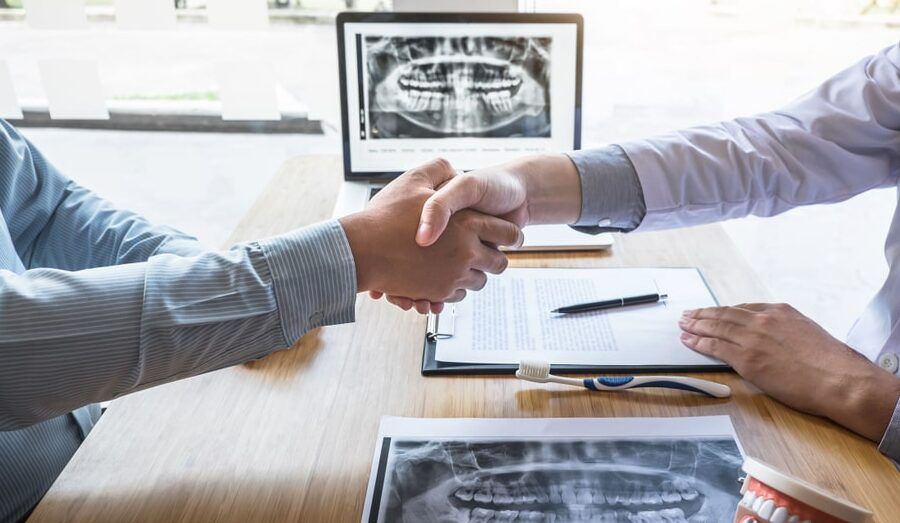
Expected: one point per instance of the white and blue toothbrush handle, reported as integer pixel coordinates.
(609, 383)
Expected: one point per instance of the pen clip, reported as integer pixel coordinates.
(440, 326)
(663, 297)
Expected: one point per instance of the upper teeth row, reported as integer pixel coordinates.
(672, 515)
(490, 85)
(570, 495)
(766, 509)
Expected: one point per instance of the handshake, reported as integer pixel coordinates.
(434, 233)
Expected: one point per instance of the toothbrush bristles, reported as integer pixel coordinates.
(534, 368)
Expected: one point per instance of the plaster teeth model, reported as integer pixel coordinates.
(770, 496)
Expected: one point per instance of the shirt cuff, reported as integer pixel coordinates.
(314, 276)
(890, 442)
(611, 195)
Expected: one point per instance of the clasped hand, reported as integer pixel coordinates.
(389, 261)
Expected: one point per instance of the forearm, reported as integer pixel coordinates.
(553, 186)
(86, 231)
(827, 146)
(72, 338)
(865, 404)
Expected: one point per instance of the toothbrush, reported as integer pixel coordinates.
(539, 372)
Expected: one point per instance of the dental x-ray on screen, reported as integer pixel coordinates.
(438, 87)
(476, 90)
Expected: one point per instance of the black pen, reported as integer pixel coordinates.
(611, 304)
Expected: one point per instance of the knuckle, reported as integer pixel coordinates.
(764, 321)
(783, 307)
(468, 219)
(437, 205)
(442, 162)
(708, 345)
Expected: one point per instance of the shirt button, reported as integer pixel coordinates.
(315, 318)
(889, 362)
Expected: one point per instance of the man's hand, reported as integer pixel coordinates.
(538, 189)
(797, 362)
(388, 260)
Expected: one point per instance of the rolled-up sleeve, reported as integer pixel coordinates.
(611, 195)
(890, 442)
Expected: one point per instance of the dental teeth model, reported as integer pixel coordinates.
(773, 497)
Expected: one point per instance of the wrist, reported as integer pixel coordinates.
(364, 256)
(865, 401)
(553, 188)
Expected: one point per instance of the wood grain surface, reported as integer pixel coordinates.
(290, 437)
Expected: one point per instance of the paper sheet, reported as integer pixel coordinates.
(562, 469)
(510, 319)
(145, 14)
(238, 14)
(73, 89)
(248, 91)
(55, 14)
(9, 104)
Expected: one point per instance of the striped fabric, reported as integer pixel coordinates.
(96, 302)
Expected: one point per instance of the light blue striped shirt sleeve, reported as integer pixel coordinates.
(96, 302)
(613, 200)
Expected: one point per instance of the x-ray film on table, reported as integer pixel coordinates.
(555, 470)
(510, 319)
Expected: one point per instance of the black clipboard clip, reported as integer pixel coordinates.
(441, 326)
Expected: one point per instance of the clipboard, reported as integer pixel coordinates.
(440, 326)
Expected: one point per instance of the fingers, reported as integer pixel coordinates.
(736, 315)
(754, 307)
(456, 297)
(712, 347)
(725, 323)
(498, 231)
(437, 171)
(459, 193)
(475, 280)
(490, 260)
(421, 306)
(399, 301)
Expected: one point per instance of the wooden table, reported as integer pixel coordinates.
(290, 437)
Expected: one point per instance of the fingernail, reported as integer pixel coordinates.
(687, 314)
(424, 231)
(686, 336)
(684, 320)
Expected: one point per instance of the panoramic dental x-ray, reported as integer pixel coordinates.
(678, 480)
(440, 87)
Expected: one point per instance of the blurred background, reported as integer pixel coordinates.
(160, 141)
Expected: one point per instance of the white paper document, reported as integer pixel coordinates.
(510, 319)
(562, 469)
